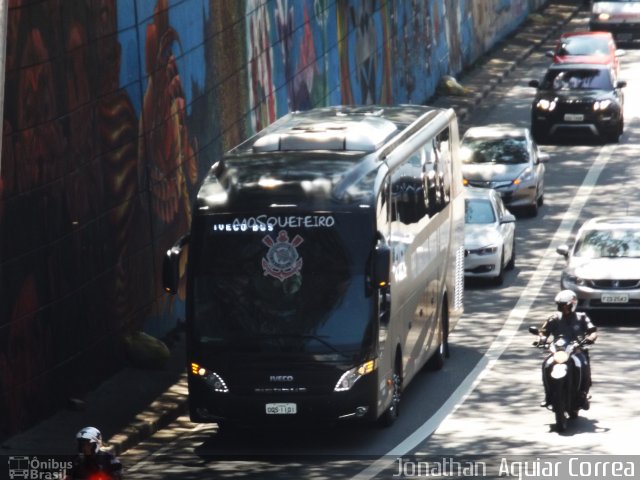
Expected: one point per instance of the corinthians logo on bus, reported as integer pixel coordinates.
(282, 260)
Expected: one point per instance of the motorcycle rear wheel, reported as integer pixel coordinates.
(561, 420)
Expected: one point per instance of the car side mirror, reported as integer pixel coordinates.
(621, 83)
(620, 52)
(563, 250)
(543, 157)
(549, 53)
(534, 83)
(534, 330)
(508, 218)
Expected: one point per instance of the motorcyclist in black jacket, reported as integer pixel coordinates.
(573, 326)
(92, 462)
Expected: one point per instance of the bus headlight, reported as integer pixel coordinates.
(350, 377)
(212, 379)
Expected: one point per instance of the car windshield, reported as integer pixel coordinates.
(578, 79)
(478, 212)
(507, 150)
(608, 243)
(584, 46)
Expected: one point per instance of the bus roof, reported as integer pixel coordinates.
(312, 156)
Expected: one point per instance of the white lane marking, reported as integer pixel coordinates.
(510, 328)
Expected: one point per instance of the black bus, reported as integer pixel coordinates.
(325, 266)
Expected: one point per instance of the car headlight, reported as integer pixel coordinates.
(525, 176)
(603, 17)
(601, 105)
(573, 280)
(490, 250)
(547, 105)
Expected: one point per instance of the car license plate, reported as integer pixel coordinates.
(573, 117)
(281, 408)
(617, 298)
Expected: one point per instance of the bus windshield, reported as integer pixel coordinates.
(288, 284)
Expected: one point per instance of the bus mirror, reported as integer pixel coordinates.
(171, 266)
(381, 266)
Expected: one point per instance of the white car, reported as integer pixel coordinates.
(603, 265)
(507, 159)
(489, 235)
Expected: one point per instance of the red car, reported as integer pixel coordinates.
(587, 47)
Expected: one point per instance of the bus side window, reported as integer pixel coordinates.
(432, 179)
(407, 190)
(439, 175)
(444, 144)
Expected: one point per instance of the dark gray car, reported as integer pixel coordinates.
(507, 159)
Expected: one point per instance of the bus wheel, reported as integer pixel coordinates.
(436, 362)
(390, 415)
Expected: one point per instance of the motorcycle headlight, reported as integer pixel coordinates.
(601, 105)
(561, 357)
(547, 105)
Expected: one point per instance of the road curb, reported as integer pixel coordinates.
(164, 410)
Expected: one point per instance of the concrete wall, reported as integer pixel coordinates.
(113, 112)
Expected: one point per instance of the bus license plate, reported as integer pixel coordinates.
(573, 117)
(618, 298)
(281, 408)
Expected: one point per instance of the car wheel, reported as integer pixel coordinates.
(613, 137)
(499, 280)
(532, 210)
(512, 261)
(537, 132)
(541, 200)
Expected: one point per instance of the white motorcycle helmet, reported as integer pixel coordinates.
(566, 297)
(91, 435)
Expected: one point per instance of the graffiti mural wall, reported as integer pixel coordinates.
(113, 112)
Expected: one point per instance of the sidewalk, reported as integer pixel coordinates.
(136, 403)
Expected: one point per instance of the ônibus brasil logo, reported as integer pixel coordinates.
(36, 468)
(282, 260)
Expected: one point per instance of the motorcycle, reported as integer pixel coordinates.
(562, 376)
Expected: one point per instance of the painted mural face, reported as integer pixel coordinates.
(40, 142)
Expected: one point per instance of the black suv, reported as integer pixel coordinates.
(575, 99)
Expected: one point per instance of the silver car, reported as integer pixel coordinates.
(508, 160)
(603, 265)
(489, 235)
